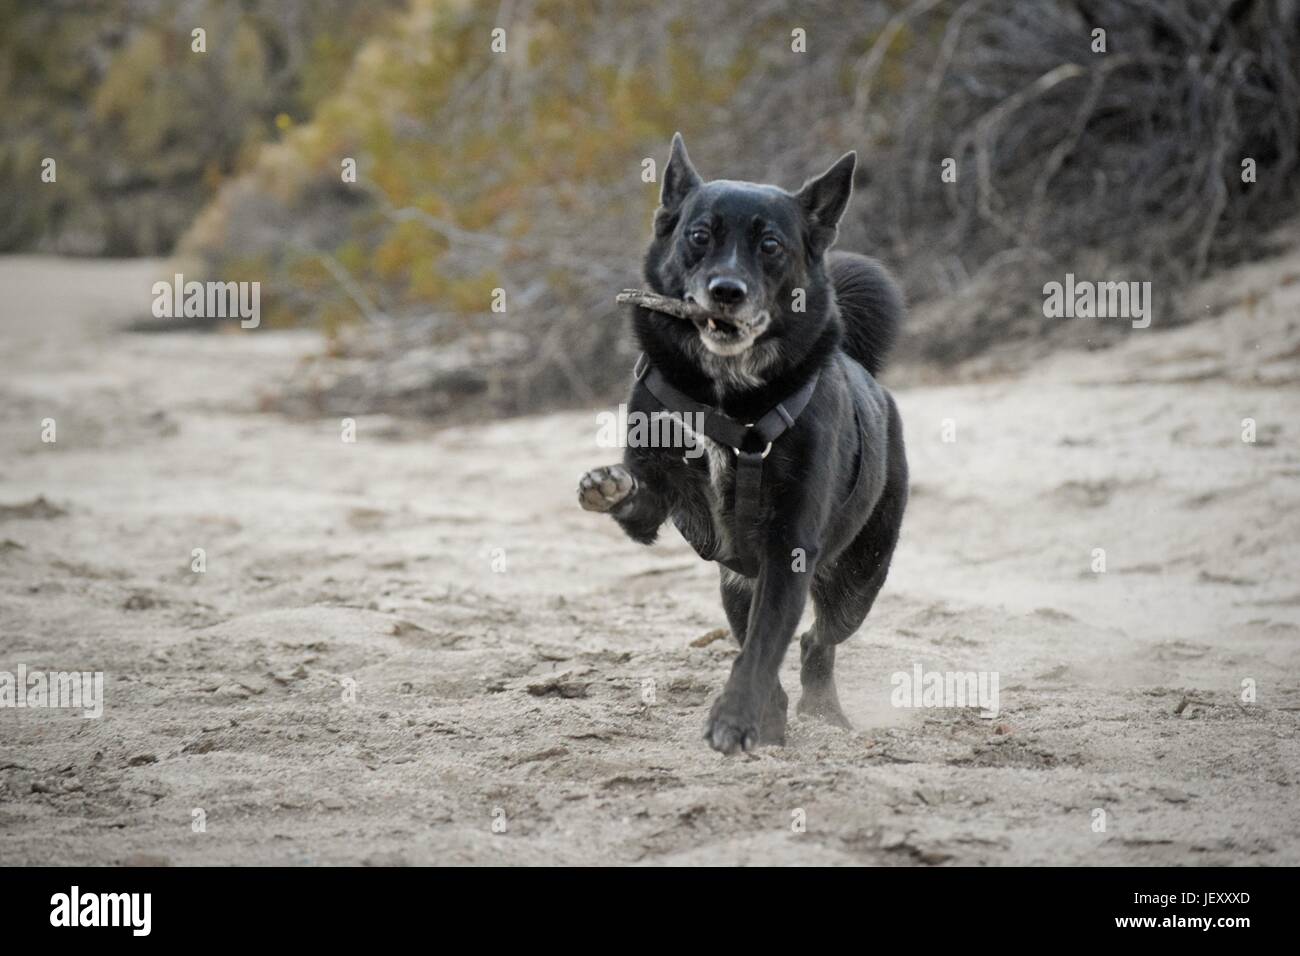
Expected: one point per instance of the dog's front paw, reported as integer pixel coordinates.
(739, 722)
(733, 725)
(603, 489)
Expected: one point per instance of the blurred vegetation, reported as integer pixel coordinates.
(522, 169)
(519, 170)
(143, 129)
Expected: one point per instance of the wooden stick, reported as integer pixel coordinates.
(677, 308)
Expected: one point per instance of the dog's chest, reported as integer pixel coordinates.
(718, 459)
(720, 462)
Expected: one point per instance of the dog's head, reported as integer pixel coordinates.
(751, 254)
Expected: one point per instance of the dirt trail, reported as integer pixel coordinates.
(518, 693)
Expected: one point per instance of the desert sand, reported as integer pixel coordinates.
(401, 641)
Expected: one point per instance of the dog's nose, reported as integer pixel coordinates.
(726, 290)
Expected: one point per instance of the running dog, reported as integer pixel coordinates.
(802, 490)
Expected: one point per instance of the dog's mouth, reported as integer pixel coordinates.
(726, 334)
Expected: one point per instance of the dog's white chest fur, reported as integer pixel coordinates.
(720, 460)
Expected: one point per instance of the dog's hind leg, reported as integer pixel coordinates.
(737, 595)
(841, 608)
(843, 596)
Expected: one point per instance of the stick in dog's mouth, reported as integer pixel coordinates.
(679, 309)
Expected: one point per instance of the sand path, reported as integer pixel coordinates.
(516, 694)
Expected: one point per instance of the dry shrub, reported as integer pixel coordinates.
(523, 170)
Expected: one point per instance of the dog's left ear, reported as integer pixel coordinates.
(824, 200)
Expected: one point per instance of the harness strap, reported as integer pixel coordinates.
(751, 442)
(749, 486)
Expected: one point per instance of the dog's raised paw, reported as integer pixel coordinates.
(603, 489)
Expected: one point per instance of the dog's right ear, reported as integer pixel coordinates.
(680, 178)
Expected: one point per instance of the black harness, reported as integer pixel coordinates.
(752, 442)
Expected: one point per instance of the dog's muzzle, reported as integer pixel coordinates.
(730, 329)
(728, 335)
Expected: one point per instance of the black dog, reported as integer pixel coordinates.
(804, 483)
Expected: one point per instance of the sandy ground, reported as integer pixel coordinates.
(515, 692)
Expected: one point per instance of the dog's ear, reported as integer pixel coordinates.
(824, 200)
(680, 178)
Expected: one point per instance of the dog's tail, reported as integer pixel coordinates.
(871, 304)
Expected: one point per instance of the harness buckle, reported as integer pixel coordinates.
(766, 451)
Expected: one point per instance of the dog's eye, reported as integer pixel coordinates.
(770, 245)
(699, 237)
